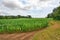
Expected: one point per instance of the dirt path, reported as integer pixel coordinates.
(17, 36)
(55, 25)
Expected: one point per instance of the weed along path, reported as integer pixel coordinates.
(49, 33)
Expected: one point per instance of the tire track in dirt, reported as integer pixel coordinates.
(27, 36)
(17, 36)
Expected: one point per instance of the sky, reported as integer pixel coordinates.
(35, 8)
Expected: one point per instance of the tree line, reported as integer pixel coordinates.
(55, 14)
(14, 17)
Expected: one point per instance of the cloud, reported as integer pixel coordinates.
(2, 13)
(15, 4)
(10, 3)
(29, 4)
(44, 0)
(28, 7)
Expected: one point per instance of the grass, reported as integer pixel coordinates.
(50, 33)
(22, 24)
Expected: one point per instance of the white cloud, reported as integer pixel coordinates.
(22, 7)
(32, 4)
(14, 4)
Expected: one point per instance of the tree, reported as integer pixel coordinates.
(19, 16)
(14, 17)
(55, 14)
(29, 16)
(50, 15)
(1, 17)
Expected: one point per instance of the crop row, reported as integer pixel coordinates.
(22, 24)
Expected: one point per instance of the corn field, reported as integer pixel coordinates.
(22, 24)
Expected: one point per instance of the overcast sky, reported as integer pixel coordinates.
(35, 8)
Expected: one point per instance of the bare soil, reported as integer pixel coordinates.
(17, 36)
